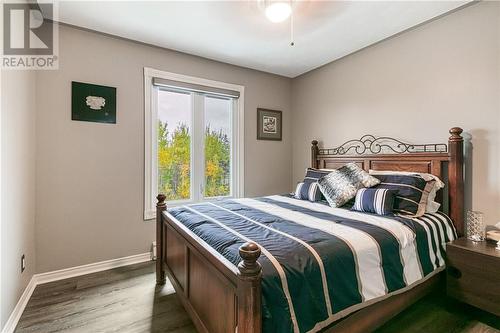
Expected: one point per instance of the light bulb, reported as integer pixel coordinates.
(278, 11)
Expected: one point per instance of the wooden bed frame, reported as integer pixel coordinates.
(222, 298)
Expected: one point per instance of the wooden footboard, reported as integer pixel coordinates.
(218, 297)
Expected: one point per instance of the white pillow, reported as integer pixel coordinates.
(431, 206)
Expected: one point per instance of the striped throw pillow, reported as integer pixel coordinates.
(378, 201)
(308, 189)
(432, 205)
(413, 191)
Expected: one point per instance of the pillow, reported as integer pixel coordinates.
(372, 200)
(431, 206)
(413, 192)
(341, 185)
(313, 174)
(308, 189)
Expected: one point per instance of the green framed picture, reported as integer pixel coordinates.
(92, 102)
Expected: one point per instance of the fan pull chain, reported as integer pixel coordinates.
(292, 43)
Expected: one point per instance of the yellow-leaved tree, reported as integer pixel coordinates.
(174, 153)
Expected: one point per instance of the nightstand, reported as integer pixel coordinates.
(473, 274)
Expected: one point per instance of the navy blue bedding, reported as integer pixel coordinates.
(321, 263)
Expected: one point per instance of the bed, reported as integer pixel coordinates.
(279, 264)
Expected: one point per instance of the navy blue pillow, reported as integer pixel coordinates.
(413, 191)
(309, 192)
(378, 201)
(308, 189)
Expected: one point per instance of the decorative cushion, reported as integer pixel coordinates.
(341, 185)
(432, 206)
(308, 189)
(378, 201)
(413, 192)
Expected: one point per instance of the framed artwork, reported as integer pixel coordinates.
(269, 124)
(91, 102)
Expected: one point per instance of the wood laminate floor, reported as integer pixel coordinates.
(437, 313)
(126, 300)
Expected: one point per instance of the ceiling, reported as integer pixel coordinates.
(237, 32)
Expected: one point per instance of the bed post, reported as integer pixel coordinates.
(161, 206)
(314, 154)
(456, 178)
(249, 290)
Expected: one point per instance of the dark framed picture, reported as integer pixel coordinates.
(269, 124)
(92, 102)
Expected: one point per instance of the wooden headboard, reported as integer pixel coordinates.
(384, 153)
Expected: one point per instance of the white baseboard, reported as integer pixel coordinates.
(91, 268)
(11, 323)
(66, 273)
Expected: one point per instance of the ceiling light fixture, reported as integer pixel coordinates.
(278, 11)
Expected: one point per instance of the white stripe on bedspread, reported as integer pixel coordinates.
(364, 248)
(307, 246)
(271, 258)
(403, 234)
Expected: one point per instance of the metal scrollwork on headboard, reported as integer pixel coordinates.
(369, 144)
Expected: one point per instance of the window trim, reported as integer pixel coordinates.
(150, 134)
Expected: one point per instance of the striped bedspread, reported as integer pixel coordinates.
(321, 263)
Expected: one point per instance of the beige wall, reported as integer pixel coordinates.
(90, 176)
(415, 87)
(18, 186)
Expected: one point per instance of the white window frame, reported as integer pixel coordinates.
(151, 138)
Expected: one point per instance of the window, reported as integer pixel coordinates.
(174, 144)
(193, 139)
